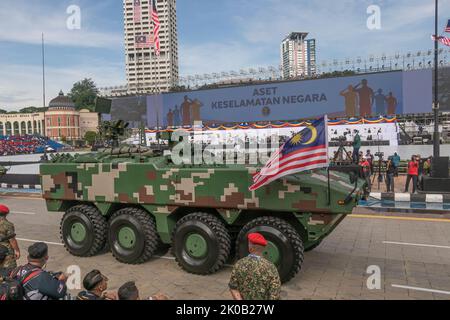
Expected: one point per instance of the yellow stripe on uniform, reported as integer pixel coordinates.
(366, 216)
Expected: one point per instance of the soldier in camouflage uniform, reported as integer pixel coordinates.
(254, 277)
(8, 239)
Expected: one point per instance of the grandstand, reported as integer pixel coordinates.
(27, 144)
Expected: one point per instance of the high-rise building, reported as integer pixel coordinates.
(298, 55)
(146, 71)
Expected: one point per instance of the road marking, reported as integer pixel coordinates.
(25, 213)
(34, 241)
(366, 216)
(21, 197)
(416, 244)
(420, 289)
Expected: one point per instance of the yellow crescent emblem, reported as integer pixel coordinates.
(313, 135)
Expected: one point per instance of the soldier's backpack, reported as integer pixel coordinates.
(10, 289)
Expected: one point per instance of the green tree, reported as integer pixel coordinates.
(83, 94)
(90, 137)
(32, 110)
(3, 111)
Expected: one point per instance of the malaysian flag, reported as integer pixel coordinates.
(444, 40)
(143, 41)
(306, 150)
(137, 10)
(447, 28)
(156, 28)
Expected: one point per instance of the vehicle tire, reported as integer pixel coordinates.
(284, 249)
(132, 236)
(83, 231)
(201, 243)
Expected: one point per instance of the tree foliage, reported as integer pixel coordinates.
(90, 137)
(83, 94)
(32, 110)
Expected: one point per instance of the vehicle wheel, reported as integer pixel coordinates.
(201, 243)
(284, 249)
(132, 236)
(83, 231)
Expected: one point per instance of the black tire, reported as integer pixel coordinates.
(215, 236)
(283, 235)
(145, 240)
(95, 228)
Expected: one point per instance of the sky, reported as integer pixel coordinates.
(213, 36)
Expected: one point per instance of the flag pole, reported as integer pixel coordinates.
(43, 72)
(436, 138)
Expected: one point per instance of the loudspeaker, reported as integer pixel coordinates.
(439, 185)
(440, 167)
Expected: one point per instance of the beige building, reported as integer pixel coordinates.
(88, 121)
(145, 71)
(61, 120)
(22, 123)
(298, 55)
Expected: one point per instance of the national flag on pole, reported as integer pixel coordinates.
(137, 13)
(447, 28)
(444, 40)
(156, 28)
(306, 150)
(143, 41)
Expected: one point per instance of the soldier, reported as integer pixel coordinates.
(8, 239)
(254, 277)
(96, 284)
(4, 272)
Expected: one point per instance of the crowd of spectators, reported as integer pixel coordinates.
(28, 144)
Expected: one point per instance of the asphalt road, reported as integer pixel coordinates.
(411, 252)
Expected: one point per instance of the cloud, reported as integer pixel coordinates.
(21, 86)
(24, 23)
(340, 28)
(215, 57)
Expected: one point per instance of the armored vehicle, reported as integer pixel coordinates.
(134, 201)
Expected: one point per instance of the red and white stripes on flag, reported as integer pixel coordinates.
(137, 12)
(156, 27)
(314, 158)
(444, 40)
(306, 150)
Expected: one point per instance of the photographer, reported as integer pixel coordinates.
(391, 169)
(365, 167)
(413, 173)
(37, 283)
(129, 291)
(356, 146)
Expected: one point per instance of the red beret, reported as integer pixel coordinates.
(257, 238)
(4, 210)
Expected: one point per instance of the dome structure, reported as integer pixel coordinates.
(61, 102)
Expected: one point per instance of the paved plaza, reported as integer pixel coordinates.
(412, 252)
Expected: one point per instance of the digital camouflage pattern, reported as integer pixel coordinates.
(7, 230)
(162, 187)
(256, 279)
